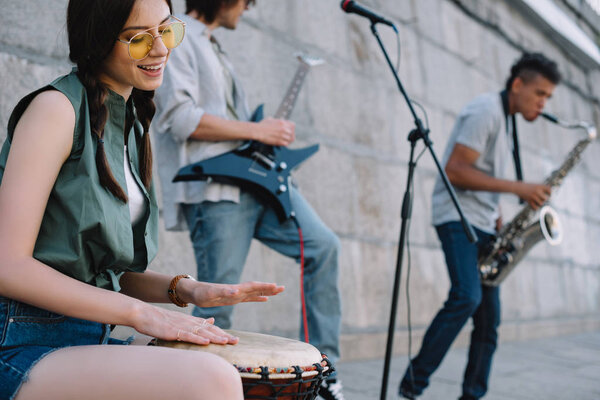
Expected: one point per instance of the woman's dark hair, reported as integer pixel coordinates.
(532, 64)
(93, 27)
(209, 9)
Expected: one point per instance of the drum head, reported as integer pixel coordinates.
(255, 350)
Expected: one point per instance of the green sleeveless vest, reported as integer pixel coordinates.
(86, 232)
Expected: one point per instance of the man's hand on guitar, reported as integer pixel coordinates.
(275, 132)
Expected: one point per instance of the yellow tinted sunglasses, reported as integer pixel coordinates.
(171, 33)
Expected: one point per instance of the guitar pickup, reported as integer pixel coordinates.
(263, 160)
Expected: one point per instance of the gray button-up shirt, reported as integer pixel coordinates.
(194, 83)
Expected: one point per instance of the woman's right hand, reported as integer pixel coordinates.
(171, 325)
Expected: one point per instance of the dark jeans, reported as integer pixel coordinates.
(467, 298)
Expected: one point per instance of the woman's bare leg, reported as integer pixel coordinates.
(131, 372)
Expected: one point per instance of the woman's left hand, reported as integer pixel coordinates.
(204, 294)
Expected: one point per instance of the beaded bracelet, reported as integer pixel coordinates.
(173, 293)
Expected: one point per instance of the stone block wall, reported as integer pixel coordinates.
(451, 51)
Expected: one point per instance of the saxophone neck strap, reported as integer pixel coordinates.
(507, 115)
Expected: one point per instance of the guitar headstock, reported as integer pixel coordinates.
(309, 60)
(306, 62)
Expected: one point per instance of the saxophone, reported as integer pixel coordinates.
(528, 227)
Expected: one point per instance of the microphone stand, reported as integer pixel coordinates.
(419, 132)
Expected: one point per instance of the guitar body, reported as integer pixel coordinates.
(270, 181)
(260, 168)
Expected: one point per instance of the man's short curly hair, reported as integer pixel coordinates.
(209, 9)
(532, 64)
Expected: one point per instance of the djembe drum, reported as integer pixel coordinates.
(271, 367)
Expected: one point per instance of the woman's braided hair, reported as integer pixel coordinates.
(93, 28)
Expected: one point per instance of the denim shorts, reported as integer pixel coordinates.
(28, 333)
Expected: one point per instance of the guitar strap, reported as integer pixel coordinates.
(230, 82)
(516, 154)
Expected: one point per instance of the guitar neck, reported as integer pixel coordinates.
(289, 101)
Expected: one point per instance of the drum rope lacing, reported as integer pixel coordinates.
(284, 370)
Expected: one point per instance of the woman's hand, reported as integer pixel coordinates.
(204, 294)
(170, 325)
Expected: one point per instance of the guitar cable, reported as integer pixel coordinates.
(302, 298)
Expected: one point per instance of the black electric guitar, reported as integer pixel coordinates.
(258, 167)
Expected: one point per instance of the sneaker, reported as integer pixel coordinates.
(406, 394)
(331, 390)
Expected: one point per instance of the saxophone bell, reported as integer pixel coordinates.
(498, 264)
(550, 226)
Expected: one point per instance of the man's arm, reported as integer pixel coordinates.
(462, 173)
(277, 132)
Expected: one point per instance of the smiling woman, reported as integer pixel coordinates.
(78, 227)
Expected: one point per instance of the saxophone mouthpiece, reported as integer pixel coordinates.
(550, 117)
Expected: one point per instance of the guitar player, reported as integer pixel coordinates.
(201, 113)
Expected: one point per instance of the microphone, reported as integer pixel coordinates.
(351, 7)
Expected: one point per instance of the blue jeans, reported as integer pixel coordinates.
(467, 298)
(29, 333)
(221, 233)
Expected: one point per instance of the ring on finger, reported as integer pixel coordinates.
(178, 335)
(198, 329)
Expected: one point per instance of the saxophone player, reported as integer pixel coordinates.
(476, 159)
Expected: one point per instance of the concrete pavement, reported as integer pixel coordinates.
(566, 367)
